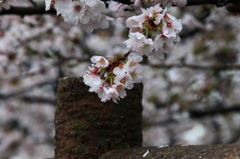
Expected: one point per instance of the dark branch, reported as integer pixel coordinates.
(27, 89)
(38, 100)
(218, 110)
(39, 10)
(198, 67)
(192, 2)
(22, 11)
(121, 1)
(216, 2)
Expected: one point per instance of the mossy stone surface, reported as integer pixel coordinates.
(86, 127)
(221, 151)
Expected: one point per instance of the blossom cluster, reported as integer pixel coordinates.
(153, 32)
(4, 5)
(86, 13)
(110, 77)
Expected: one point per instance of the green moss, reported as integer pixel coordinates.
(30, 51)
(80, 149)
(74, 133)
(199, 49)
(164, 154)
(153, 99)
(229, 37)
(75, 127)
(220, 35)
(174, 98)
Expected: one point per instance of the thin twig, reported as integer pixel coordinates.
(27, 89)
(165, 4)
(197, 67)
(33, 3)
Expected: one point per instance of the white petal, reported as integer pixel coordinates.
(47, 4)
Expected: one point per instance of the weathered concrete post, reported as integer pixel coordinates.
(86, 127)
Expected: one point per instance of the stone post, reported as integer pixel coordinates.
(86, 127)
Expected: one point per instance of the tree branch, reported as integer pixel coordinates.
(197, 67)
(26, 89)
(191, 2)
(22, 11)
(216, 2)
(121, 1)
(38, 100)
(39, 10)
(220, 109)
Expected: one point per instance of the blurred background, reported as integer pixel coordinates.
(190, 98)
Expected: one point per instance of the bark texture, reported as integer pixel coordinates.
(86, 127)
(223, 151)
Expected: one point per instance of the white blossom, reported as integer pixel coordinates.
(139, 43)
(120, 89)
(111, 93)
(153, 32)
(120, 69)
(100, 61)
(153, 13)
(125, 80)
(47, 4)
(92, 78)
(110, 77)
(88, 14)
(136, 73)
(145, 154)
(63, 6)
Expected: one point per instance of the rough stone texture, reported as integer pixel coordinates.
(86, 127)
(223, 151)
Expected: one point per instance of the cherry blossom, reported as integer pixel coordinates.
(88, 14)
(109, 77)
(100, 61)
(92, 78)
(139, 43)
(153, 32)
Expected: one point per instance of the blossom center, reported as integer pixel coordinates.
(169, 24)
(101, 61)
(119, 88)
(77, 8)
(123, 80)
(132, 64)
(94, 71)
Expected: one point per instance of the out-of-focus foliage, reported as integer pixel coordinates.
(188, 98)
